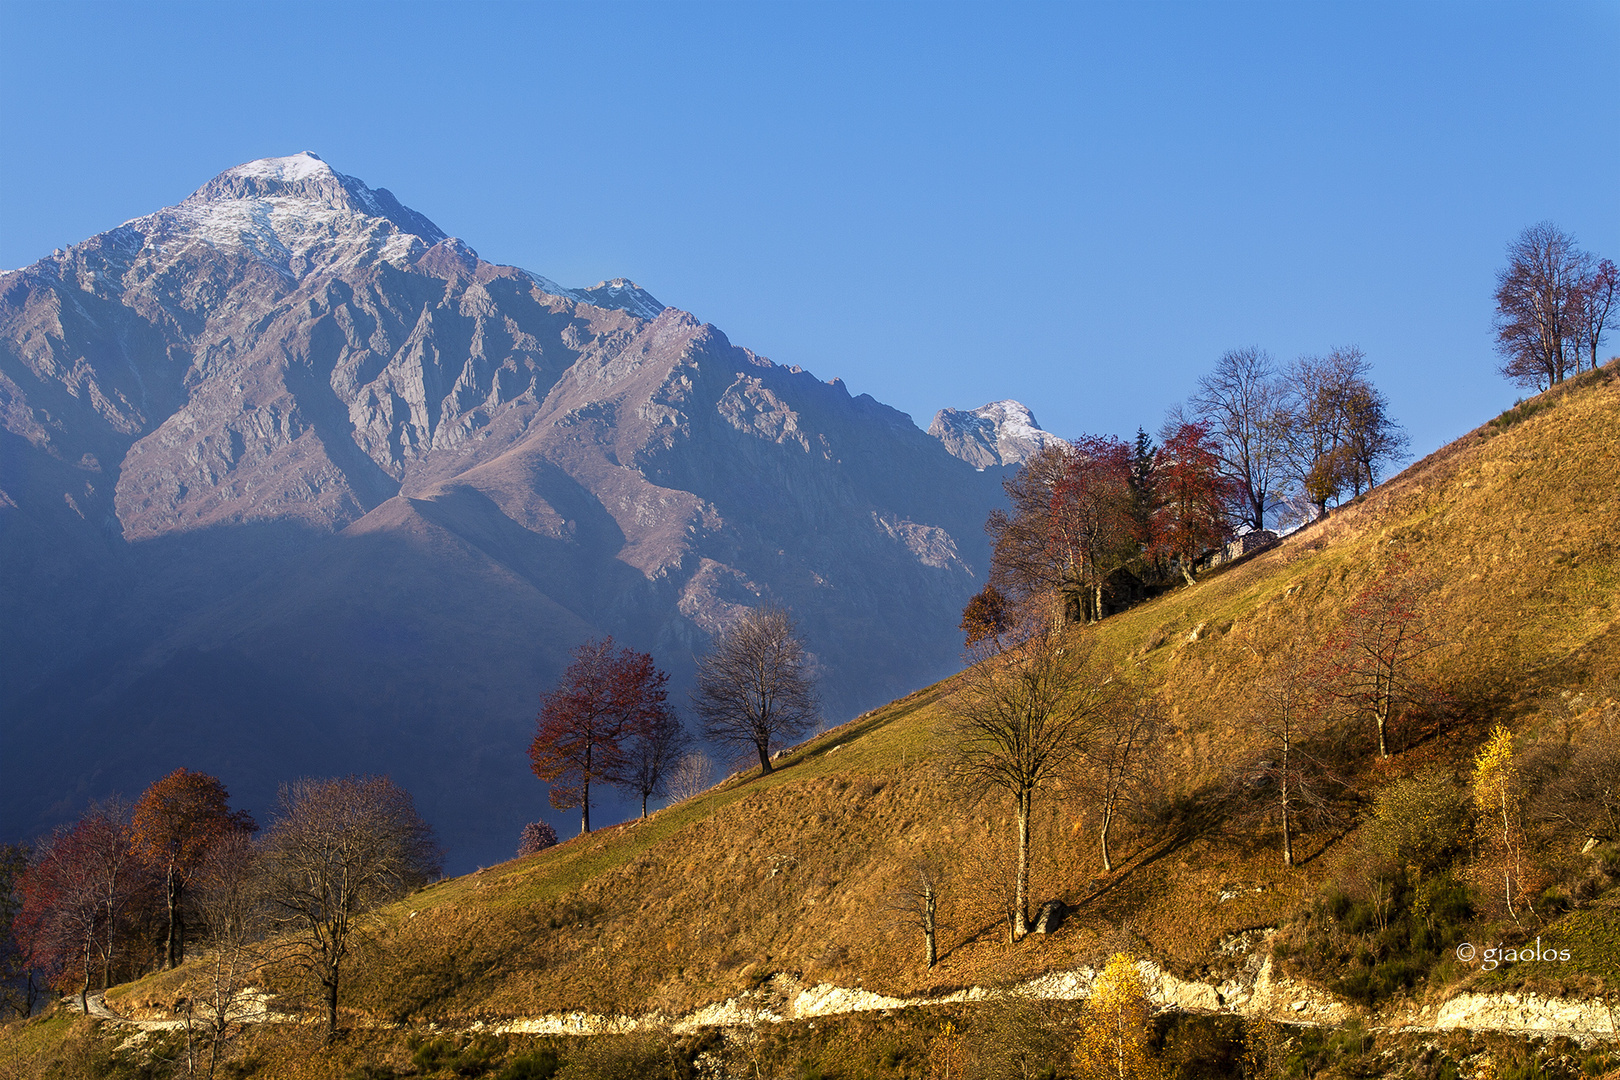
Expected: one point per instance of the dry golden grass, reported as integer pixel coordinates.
(1519, 525)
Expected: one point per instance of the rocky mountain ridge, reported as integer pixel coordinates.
(295, 483)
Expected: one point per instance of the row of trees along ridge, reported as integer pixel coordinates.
(1098, 523)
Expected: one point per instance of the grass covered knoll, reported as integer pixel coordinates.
(1517, 528)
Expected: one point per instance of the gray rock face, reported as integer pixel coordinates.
(294, 484)
(1000, 433)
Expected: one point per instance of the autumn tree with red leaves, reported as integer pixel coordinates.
(603, 701)
(1370, 663)
(1092, 528)
(82, 881)
(175, 822)
(1192, 494)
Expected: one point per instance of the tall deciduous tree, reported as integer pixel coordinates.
(1244, 405)
(604, 698)
(1022, 719)
(754, 687)
(338, 849)
(174, 823)
(1538, 299)
(83, 880)
(225, 893)
(17, 987)
(1319, 391)
(1093, 530)
(1193, 495)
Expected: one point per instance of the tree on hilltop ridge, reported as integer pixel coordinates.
(1538, 305)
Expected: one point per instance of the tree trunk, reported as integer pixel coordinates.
(764, 757)
(930, 950)
(172, 948)
(1107, 821)
(1021, 888)
(643, 806)
(585, 808)
(331, 986)
(1186, 571)
(1287, 831)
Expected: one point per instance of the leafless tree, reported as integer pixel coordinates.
(1538, 298)
(1597, 311)
(654, 749)
(754, 688)
(1374, 439)
(1285, 715)
(915, 901)
(338, 849)
(1118, 771)
(1022, 719)
(1243, 402)
(1369, 666)
(226, 898)
(692, 776)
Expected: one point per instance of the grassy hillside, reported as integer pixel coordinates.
(1518, 524)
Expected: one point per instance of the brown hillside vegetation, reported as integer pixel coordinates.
(1515, 531)
(1516, 524)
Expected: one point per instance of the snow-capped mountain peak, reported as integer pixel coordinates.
(299, 166)
(1000, 433)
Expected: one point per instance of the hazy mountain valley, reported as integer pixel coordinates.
(295, 484)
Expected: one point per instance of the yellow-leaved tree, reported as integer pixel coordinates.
(1116, 1026)
(1498, 796)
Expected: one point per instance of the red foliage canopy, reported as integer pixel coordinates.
(585, 723)
(1192, 496)
(1093, 530)
(175, 823)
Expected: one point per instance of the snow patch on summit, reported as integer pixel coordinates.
(300, 166)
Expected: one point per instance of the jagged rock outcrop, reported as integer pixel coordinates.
(294, 483)
(1000, 433)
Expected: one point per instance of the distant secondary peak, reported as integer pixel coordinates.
(1000, 433)
(622, 294)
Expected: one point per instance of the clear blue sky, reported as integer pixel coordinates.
(1080, 206)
